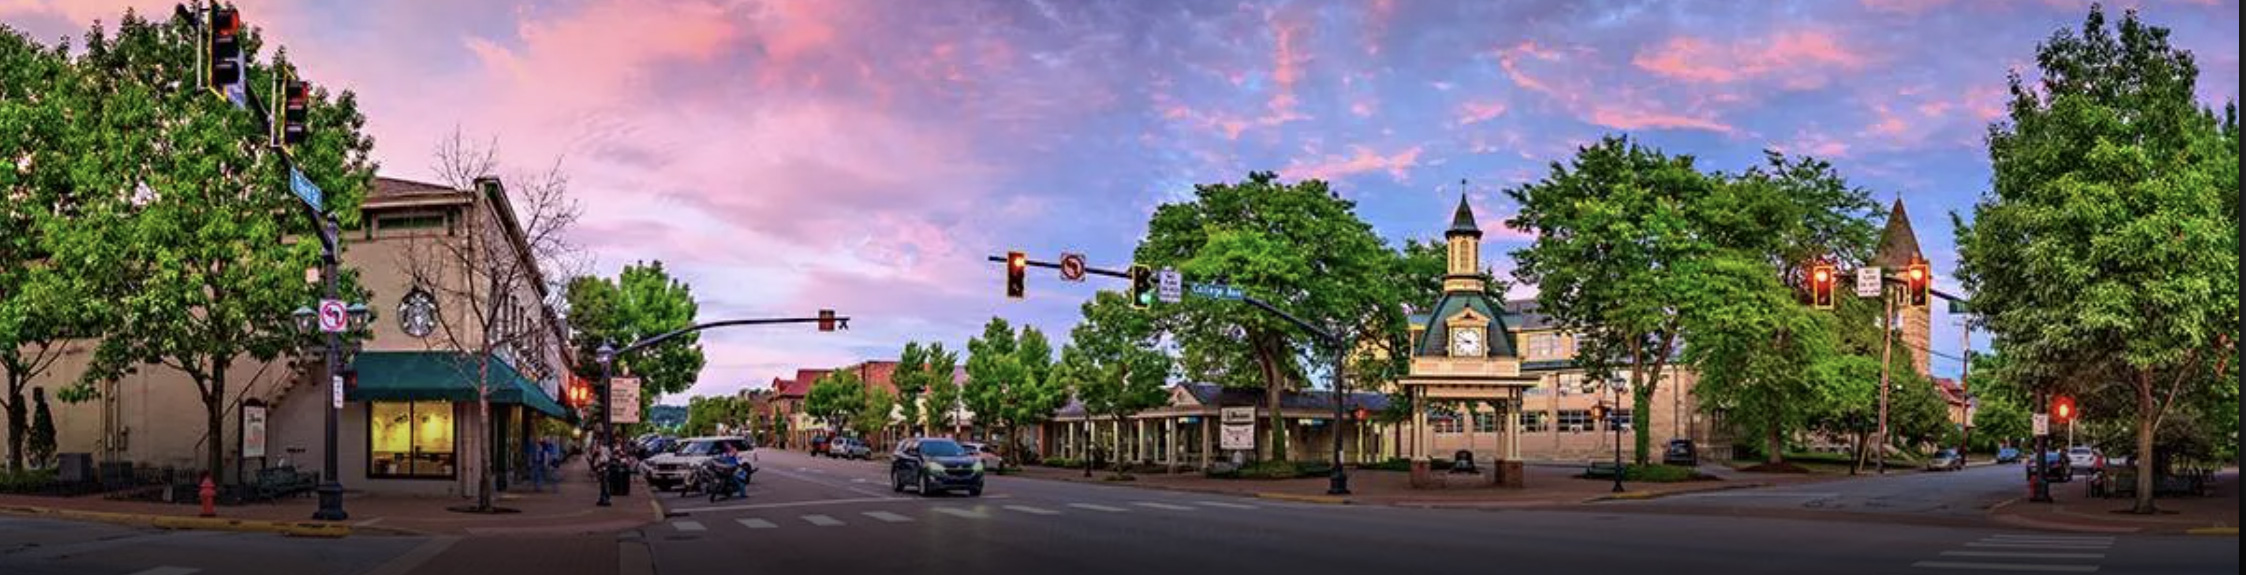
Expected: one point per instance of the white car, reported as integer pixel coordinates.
(983, 451)
(2083, 458)
(671, 469)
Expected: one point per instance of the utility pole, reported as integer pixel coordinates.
(1965, 385)
(1886, 362)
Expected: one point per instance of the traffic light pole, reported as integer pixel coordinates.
(1886, 364)
(1056, 265)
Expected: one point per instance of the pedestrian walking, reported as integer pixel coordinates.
(541, 460)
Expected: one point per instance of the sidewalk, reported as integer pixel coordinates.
(1547, 485)
(567, 510)
(2072, 509)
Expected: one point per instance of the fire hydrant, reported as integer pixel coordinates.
(209, 494)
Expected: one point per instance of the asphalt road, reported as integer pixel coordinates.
(826, 516)
(1953, 497)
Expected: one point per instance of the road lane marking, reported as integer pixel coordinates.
(2106, 538)
(958, 512)
(754, 523)
(1098, 507)
(1225, 505)
(2028, 545)
(413, 559)
(684, 525)
(1751, 493)
(821, 520)
(1162, 506)
(2005, 567)
(169, 570)
(887, 516)
(1033, 510)
(2023, 555)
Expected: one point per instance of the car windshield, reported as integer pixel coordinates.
(941, 449)
(710, 447)
(2079, 451)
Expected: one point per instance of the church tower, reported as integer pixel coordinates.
(1898, 248)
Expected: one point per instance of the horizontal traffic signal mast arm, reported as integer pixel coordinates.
(840, 321)
(1056, 265)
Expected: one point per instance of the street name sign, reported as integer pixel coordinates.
(1216, 291)
(1172, 286)
(1867, 282)
(334, 318)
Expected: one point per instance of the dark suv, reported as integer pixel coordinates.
(934, 465)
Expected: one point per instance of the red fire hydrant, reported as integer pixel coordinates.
(209, 493)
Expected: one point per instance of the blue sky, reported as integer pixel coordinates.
(786, 156)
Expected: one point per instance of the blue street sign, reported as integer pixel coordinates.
(1216, 291)
(305, 190)
(238, 95)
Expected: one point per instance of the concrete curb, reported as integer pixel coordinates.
(1325, 499)
(1644, 495)
(289, 528)
(2020, 521)
(2215, 531)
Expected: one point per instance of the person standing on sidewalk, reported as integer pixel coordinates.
(540, 459)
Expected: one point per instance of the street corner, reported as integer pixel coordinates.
(1660, 493)
(318, 529)
(1299, 498)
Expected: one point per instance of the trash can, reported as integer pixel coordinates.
(619, 480)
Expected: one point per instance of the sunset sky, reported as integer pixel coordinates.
(786, 156)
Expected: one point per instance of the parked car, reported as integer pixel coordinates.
(1946, 460)
(667, 470)
(849, 448)
(2008, 455)
(1681, 452)
(932, 465)
(2082, 458)
(989, 455)
(2055, 468)
(654, 445)
(819, 445)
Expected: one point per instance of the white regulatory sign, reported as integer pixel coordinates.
(334, 318)
(1173, 286)
(335, 392)
(2042, 424)
(1867, 282)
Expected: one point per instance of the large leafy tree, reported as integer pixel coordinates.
(1010, 380)
(1616, 258)
(874, 414)
(643, 301)
(944, 395)
(1112, 363)
(923, 373)
(2108, 244)
(193, 221)
(835, 398)
(1300, 247)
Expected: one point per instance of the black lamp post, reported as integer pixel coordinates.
(1338, 484)
(307, 322)
(606, 357)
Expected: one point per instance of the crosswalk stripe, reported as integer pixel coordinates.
(1162, 506)
(754, 523)
(887, 516)
(684, 525)
(1225, 505)
(821, 520)
(2033, 545)
(2006, 566)
(1033, 510)
(957, 512)
(2022, 555)
(2085, 538)
(1098, 507)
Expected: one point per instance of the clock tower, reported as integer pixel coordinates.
(1465, 362)
(1466, 323)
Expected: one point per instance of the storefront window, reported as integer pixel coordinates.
(410, 439)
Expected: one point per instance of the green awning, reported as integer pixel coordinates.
(442, 375)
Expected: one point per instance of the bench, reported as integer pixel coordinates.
(277, 482)
(1601, 470)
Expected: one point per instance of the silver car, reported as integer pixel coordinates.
(2082, 458)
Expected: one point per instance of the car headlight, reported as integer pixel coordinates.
(978, 466)
(936, 467)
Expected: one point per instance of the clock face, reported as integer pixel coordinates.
(417, 313)
(1467, 342)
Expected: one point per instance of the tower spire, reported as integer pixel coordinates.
(1462, 222)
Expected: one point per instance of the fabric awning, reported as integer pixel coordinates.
(443, 375)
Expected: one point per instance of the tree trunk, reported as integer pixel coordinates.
(1774, 446)
(1856, 463)
(18, 421)
(1272, 396)
(214, 411)
(2148, 414)
(483, 425)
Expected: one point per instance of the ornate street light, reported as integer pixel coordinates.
(335, 352)
(606, 357)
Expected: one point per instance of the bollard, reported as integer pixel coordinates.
(209, 495)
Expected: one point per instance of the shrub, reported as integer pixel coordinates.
(1270, 470)
(1662, 474)
(26, 481)
(1061, 462)
(1392, 464)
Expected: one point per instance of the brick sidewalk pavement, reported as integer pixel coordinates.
(2072, 509)
(1553, 484)
(565, 509)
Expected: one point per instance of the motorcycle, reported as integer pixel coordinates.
(722, 477)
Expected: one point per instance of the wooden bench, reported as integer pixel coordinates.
(1601, 470)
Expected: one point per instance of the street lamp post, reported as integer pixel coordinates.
(1614, 421)
(331, 487)
(606, 357)
(1338, 484)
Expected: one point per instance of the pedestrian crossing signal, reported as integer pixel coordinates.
(1142, 287)
(1017, 274)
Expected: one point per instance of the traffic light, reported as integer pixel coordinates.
(1919, 280)
(290, 109)
(826, 320)
(1142, 287)
(1017, 272)
(223, 52)
(1821, 286)
(2062, 409)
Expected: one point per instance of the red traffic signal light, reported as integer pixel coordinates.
(224, 48)
(1017, 274)
(1919, 279)
(2062, 409)
(295, 105)
(1821, 286)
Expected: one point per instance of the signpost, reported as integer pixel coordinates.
(1867, 282)
(623, 403)
(1072, 267)
(304, 189)
(1239, 428)
(1172, 288)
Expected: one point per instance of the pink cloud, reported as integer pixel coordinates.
(1889, 124)
(1579, 84)
(1907, 7)
(1797, 58)
(1627, 119)
(1476, 112)
(1814, 143)
(1361, 160)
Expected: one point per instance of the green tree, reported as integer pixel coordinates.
(643, 301)
(875, 414)
(42, 444)
(1010, 381)
(195, 258)
(1615, 259)
(921, 370)
(1112, 363)
(2108, 245)
(1766, 361)
(944, 394)
(834, 398)
(1300, 247)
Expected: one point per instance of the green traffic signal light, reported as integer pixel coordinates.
(1142, 287)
